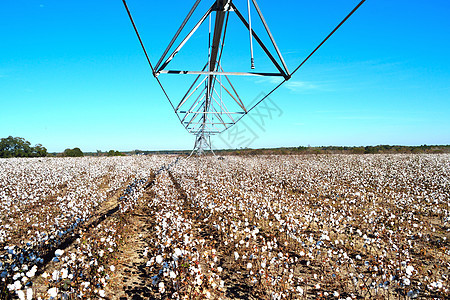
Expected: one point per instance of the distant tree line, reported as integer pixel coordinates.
(19, 147)
(380, 149)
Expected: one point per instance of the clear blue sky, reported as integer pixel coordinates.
(72, 73)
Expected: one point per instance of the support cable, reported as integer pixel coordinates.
(309, 56)
(146, 55)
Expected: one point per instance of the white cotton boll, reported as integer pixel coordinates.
(299, 290)
(358, 257)
(325, 237)
(219, 269)
(436, 285)
(406, 281)
(102, 293)
(249, 265)
(53, 292)
(317, 286)
(112, 268)
(409, 270)
(335, 294)
(31, 272)
(161, 287)
(21, 295)
(159, 259)
(263, 264)
(101, 253)
(29, 293)
(45, 275)
(55, 275)
(172, 274)
(64, 273)
(236, 255)
(177, 252)
(59, 252)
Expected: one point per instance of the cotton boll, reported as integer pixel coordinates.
(159, 259)
(409, 270)
(52, 292)
(64, 273)
(161, 287)
(21, 295)
(29, 293)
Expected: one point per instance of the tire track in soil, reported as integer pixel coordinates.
(236, 282)
(130, 280)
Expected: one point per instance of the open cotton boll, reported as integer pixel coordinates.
(53, 292)
(161, 287)
(21, 295)
(409, 270)
(159, 259)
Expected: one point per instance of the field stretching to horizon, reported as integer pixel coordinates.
(236, 227)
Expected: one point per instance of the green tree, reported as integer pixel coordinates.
(75, 152)
(114, 153)
(19, 147)
(39, 151)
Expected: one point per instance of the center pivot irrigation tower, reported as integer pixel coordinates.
(203, 110)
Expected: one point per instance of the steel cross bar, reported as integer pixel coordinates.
(214, 112)
(213, 73)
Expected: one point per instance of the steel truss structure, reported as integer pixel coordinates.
(203, 110)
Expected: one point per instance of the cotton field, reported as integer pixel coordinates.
(260, 227)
